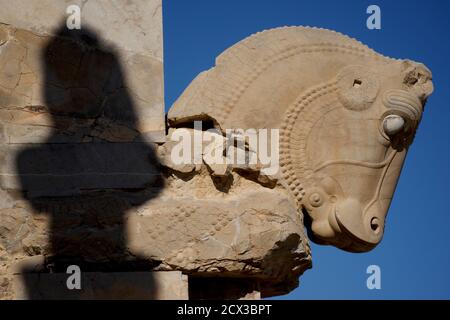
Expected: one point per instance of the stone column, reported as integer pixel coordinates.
(80, 109)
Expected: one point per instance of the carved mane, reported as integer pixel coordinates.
(218, 90)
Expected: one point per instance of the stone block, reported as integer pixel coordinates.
(132, 53)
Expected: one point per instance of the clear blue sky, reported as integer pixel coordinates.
(414, 255)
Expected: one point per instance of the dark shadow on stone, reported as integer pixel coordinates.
(217, 288)
(94, 167)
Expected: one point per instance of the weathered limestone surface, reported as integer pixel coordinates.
(134, 31)
(346, 116)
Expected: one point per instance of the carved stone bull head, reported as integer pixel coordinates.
(355, 148)
(346, 116)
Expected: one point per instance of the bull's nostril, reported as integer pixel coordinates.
(375, 224)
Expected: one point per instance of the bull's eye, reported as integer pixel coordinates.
(393, 124)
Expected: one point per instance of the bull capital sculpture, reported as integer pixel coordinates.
(347, 116)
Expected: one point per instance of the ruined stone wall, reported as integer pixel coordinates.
(67, 98)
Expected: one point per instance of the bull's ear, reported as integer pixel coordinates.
(358, 87)
(418, 78)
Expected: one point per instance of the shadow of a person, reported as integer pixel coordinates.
(94, 166)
